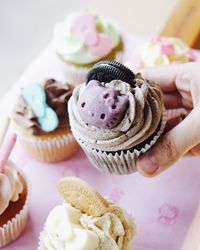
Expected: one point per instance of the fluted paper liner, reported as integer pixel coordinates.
(123, 162)
(50, 149)
(14, 227)
(77, 74)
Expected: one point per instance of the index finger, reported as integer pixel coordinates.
(166, 76)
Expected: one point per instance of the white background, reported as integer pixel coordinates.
(25, 28)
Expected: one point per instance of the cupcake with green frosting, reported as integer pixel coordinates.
(83, 39)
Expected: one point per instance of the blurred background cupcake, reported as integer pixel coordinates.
(159, 50)
(86, 220)
(40, 119)
(14, 195)
(115, 116)
(83, 39)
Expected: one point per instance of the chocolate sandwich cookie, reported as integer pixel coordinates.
(106, 71)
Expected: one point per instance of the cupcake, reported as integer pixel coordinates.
(84, 39)
(13, 203)
(86, 221)
(160, 51)
(40, 119)
(115, 116)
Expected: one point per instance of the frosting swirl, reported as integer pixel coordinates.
(83, 38)
(10, 186)
(139, 120)
(67, 228)
(160, 51)
(57, 94)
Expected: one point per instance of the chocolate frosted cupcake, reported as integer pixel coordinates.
(41, 120)
(116, 116)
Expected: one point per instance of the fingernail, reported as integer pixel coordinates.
(148, 164)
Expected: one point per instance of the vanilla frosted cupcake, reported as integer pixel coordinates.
(160, 51)
(86, 221)
(115, 116)
(40, 119)
(82, 40)
(13, 204)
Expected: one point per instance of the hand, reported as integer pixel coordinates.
(181, 87)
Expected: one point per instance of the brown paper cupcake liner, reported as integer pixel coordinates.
(123, 162)
(14, 227)
(50, 149)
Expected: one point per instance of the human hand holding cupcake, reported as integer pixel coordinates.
(86, 221)
(115, 116)
(84, 39)
(40, 119)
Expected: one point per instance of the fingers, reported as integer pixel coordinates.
(166, 76)
(173, 100)
(172, 123)
(171, 146)
(195, 151)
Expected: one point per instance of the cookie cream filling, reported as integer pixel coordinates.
(10, 186)
(67, 228)
(140, 119)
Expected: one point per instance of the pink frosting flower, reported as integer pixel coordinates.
(98, 43)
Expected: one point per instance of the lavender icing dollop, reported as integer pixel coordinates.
(100, 106)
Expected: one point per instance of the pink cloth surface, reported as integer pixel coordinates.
(163, 207)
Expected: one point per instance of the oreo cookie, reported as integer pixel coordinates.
(106, 71)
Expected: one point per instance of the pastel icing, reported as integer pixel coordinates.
(100, 106)
(35, 96)
(84, 38)
(160, 51)
(64, 231)
(68, 228)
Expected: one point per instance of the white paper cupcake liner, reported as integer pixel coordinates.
(40, 244)
(51, 149)
(77, 75)
(14, 227)
(120, 163)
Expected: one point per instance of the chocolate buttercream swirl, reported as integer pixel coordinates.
(140, 120)
(58, 95)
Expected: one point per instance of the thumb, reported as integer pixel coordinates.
(171, 146)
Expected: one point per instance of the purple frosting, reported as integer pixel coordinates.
(100, 106)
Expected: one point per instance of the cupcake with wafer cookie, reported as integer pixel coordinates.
(86, 221)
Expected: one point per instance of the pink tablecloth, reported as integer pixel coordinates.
(163, 207)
